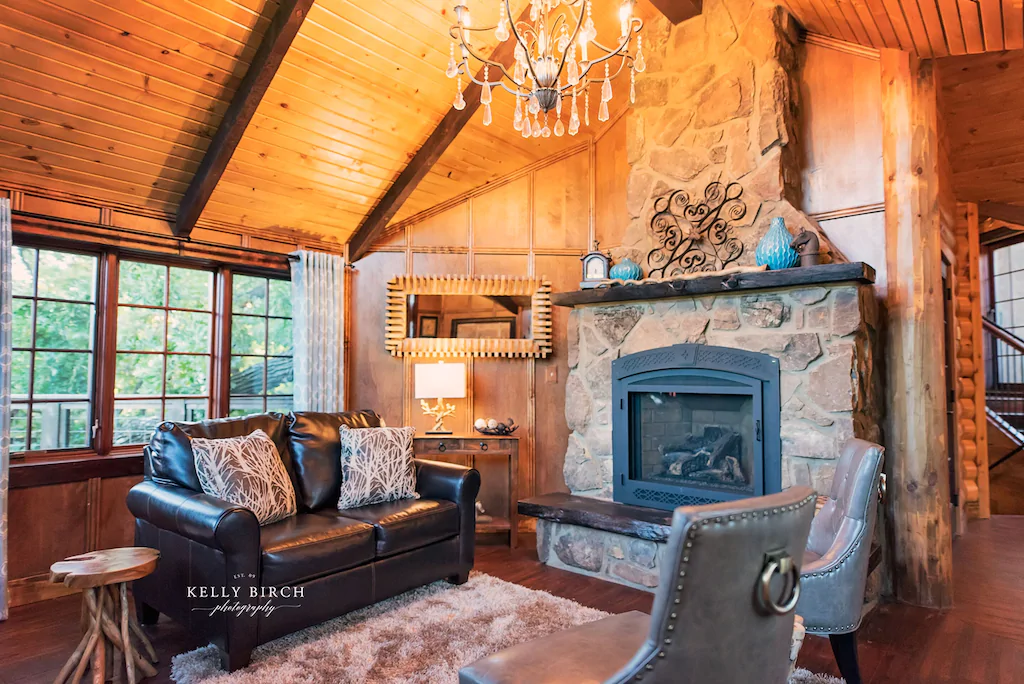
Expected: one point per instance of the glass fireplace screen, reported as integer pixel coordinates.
(695, 440)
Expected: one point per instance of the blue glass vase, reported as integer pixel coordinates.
(627, 269)
(773, 250)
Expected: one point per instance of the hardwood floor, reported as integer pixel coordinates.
(981, 641)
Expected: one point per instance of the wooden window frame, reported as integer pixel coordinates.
(266, 356)
(105, 338)
(33, 349)
(163, 397)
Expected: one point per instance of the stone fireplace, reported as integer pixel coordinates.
(695, 424)
(817, 325)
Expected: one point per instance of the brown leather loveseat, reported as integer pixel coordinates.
(219, 570)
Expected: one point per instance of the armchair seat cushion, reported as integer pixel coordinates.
(588, 654)
(309, 545)
(408, 524)
(810, 557)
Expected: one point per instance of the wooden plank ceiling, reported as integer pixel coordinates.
(118, 102)
(930, 28)
(983, 106)
(120, 105)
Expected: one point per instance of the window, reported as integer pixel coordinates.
(106, 347)
(261, 345)
(164, 348)
(53, 333)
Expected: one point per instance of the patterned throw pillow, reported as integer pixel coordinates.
(376, 466)
(246, 471)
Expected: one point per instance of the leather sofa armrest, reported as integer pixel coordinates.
(200, 517)
(437, 480)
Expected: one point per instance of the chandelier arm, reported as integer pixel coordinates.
(575, 35)
(625, 41)
(515, 32)
(611, 77)
(479, 58)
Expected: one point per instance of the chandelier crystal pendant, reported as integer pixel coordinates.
(556, 56)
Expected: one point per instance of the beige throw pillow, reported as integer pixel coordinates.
(376, 466)
(246, 471)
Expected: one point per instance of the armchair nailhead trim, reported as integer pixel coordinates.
(692, 534)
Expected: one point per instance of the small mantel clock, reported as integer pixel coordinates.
(596, 265)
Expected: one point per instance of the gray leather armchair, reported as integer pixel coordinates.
(835, 566)
(723, 612)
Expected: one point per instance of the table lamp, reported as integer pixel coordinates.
(439, 381)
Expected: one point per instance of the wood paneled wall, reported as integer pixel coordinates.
(537, 221)
(841, 142)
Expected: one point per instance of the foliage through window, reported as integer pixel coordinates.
(261, 345)
(164, 348)
(54, 309)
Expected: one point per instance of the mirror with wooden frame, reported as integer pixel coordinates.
(468, 316)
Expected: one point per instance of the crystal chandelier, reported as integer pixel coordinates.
(557, 57)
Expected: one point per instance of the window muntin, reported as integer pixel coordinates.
(54, 332)
(164, 348)
(261, 373)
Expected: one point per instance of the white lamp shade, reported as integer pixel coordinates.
(440, 380)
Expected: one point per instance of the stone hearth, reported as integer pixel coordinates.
(824, 336)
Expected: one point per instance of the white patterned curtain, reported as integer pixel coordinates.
(6, 326)
(318, 310)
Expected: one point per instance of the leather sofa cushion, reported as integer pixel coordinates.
(309, 545)
(315, 444)
(409, 523)
(593, 652)
(169, 458)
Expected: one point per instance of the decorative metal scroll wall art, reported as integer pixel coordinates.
(696, 236)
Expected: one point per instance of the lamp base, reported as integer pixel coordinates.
(438, 432)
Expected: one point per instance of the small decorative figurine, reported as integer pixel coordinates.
(626, 269)
(596, 265)
(493, 427)
(806, 243)
(773, 250)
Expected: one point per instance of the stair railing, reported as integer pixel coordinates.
(1004, 394)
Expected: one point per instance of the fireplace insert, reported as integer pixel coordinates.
(695, 424)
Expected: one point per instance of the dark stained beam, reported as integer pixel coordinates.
(276, 41)
(1010, 213)
(678, 11)
(425, 158)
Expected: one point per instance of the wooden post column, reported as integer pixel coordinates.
(916, 460)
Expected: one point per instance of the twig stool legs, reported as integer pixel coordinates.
(112, 627)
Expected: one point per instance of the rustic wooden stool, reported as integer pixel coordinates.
(109, 622)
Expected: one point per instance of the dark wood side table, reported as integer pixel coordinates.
(497, 459)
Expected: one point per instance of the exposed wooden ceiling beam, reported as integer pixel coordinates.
(1010, 213)
(275, 44)
(678, 11)
(418, 167)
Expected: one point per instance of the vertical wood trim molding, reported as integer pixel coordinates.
(917, 457)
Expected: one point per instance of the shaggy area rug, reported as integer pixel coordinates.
(421, 637)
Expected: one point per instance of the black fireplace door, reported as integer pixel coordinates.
(688, 435)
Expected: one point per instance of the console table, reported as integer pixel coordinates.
(497, 459)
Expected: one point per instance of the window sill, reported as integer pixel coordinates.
(37, 471)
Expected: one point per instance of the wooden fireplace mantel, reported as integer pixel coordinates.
(805, 276)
